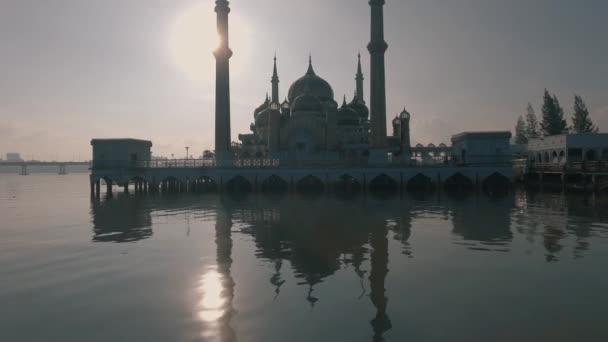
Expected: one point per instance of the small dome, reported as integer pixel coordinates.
(307, 103)
(359, 107)
(274, 106)
(315, 84)
(419, 145)
(262, 118)
(347, 115)
(405, 114)
(442, 145)
(431, 145)
(261, 107)
(285, 104)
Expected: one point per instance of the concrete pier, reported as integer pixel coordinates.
(328, 179)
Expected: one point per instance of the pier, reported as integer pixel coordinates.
(274, 175)
(584, 176)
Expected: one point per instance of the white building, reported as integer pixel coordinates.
(559, 149)
(482, 147)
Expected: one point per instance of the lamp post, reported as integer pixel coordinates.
(187, 148)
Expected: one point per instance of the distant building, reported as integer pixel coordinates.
(560, 149)
(13, 157)
(121, 152)
(482, 147)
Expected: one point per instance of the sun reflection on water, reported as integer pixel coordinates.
(212, 304)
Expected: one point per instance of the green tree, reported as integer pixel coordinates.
(532, 130)
(520, 131)
(581, 122)
(553, 116)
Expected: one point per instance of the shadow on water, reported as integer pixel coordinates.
(318, 235)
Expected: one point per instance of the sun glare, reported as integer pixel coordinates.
(193, 38)
(211, 305)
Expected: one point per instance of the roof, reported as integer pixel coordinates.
(483, 134)
(120, 140)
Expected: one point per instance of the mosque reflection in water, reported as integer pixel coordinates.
(319, 236)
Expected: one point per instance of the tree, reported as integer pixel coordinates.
(581, 122)
(520, 131)
(207, 154)
(553, 116)
(532, 130)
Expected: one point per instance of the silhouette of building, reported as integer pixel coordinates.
(309, 124)
(120, 152)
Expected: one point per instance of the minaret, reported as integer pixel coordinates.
(222, 82)
(377, 48)
(359, 79)
(275, 82)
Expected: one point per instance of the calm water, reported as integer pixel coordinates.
(527, 267)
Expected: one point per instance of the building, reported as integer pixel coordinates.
(13, 157)
(119, 153)
(482, 147)
(309, 124)
(560, 149)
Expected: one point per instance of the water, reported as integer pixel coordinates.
(526, 267)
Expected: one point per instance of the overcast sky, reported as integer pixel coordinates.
(72, 70)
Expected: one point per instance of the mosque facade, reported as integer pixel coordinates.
(309, 124)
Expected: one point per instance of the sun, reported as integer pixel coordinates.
(193, 37)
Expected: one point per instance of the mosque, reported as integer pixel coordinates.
(310, 125)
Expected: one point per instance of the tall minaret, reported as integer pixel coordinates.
(359, 79)
(377, 48)
(275, 82)
(222, 82)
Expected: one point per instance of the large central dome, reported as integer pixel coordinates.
(311, 84)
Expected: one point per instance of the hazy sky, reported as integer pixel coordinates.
(72, 70)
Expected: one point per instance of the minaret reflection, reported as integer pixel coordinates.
(217, 286)
(379, 270)
(121, 218)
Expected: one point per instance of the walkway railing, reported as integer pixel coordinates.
(292, 163)
(572, 167)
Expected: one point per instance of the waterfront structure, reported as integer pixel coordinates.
(482, 148)
(306, 142)
(565, 148)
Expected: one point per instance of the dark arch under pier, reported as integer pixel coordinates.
(383, 184)
(420, 182)
(239, 184)
(347, 184)
(310, 184)
(458, 183)
(274, 184)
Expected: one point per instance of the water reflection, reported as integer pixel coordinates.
(121, 219)
(318, 237)
(216, 286)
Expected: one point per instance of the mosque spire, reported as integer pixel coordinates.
(310, 71)
(359, 79)
(275, 81)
